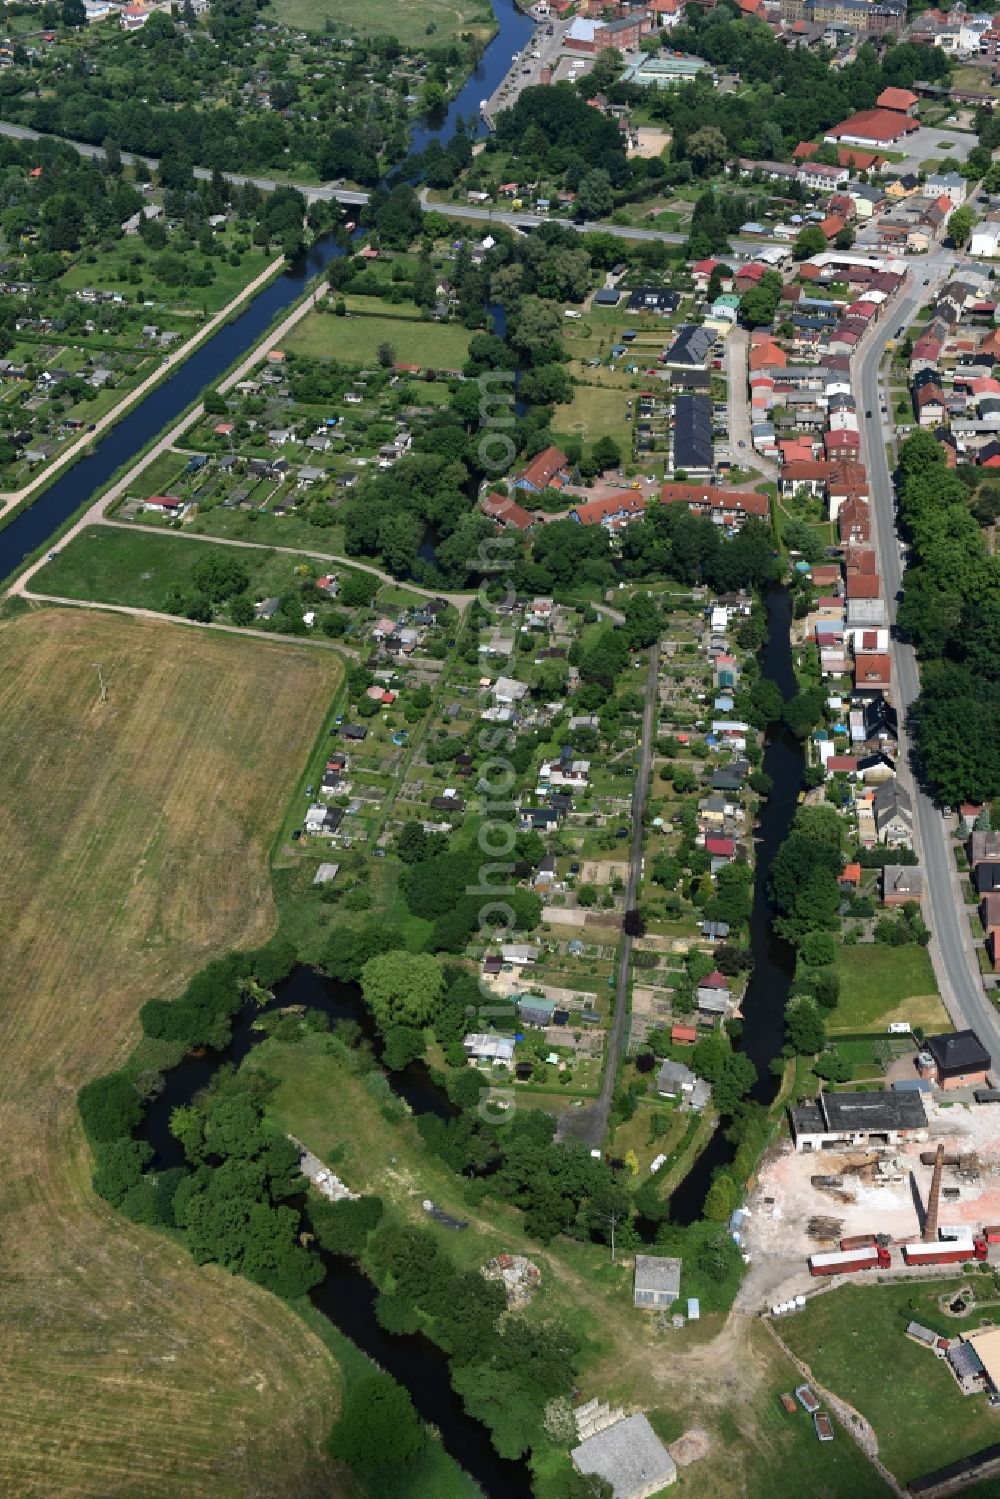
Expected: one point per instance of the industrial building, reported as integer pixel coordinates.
(842, 1120)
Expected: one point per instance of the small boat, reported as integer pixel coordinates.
(824, 1426)
(788, 1402)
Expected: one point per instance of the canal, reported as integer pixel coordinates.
(773, 958)
(34, 526)
(346, 1296)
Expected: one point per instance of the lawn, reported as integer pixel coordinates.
(356, 340)
(921, 1418)
(228, 280)
(596, 411)
(879, 984)
(417, 23)
(120, 565)
(133, 848)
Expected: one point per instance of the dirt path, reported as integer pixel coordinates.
(9, 500)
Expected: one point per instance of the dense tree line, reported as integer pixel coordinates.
(951, 613)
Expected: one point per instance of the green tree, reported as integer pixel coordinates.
(721, 1198)
(402, 988)
(378, 1431)
(960, 224)
(809, 241)
(707, 149)
(411, 842)
(109, 1107)
(594, 199)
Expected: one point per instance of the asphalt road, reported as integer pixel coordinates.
(590, 1125)
(351, 198)
(952, 951)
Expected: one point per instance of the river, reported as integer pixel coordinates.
(773, 958)
(347, 1297)
(34, 526)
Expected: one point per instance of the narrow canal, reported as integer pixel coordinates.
(346, 1296)
(33, 527)
(773, 958)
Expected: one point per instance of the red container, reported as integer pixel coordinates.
(860, 1241)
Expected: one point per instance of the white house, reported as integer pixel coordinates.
(482, 1046)
(984, 242)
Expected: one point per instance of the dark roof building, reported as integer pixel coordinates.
(960, 1058)
(693, 450)
(857, 1119)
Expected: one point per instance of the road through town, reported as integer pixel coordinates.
(951, 949)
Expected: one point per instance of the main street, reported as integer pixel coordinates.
(355, 198)
(951, 949)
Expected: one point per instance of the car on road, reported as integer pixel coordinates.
(868, 415)
(742, 443)
(900, 330)
(927, 280)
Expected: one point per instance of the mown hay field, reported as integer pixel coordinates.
(134, 838)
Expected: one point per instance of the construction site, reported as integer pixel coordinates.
(945, 1186)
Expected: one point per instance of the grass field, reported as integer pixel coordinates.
(427, 23)
(119, 565)
(879, 984)
(356, 340)
(595, 411)
(133, 843)
(920, 1416)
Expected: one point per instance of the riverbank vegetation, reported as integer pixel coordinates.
(134, 846)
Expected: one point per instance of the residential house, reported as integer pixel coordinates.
(902, 883)
(549, 469)
(960, 1060)
(893, 811)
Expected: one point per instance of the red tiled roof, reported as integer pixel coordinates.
(875, 669)
(896, 98)
(707, 496)
(864, 586)
(544, 467)
(628, 503)
(881, 125)
(804, 469)
(860, 560)
(506, 512)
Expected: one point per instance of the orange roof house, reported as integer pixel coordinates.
(897, 98)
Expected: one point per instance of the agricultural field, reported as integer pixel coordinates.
(880, 983)
(356, 339)
(134, 848)
(919, 1414)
